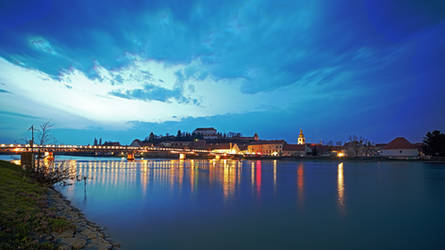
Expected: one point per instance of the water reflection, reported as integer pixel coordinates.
(340, 186)
(229, 183)
(170, 175)
(252, 175)
(192, 176)
(300, 183)
(258, 178)
(144, 173)
(274, 175)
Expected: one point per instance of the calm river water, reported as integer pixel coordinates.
(271, 204)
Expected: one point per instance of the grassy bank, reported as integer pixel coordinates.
(26, 221)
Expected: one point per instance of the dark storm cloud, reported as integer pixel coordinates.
(269, 44)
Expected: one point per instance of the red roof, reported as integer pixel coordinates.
(399, 143)
(294, 147)
(262, 142)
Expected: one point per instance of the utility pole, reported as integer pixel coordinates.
(31, 143)
(32, 136)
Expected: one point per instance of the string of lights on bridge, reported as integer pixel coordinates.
(27, 147)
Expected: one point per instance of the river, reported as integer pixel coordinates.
(269, 204)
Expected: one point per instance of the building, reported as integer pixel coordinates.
(225, 148)
(296, 150)
(206, 133)
(111, 143)
(238, 137)
(274, 148)
(175, 144)
(318, 149)
(243, 148)
(139, 143)
(399, 148)
(301, 140)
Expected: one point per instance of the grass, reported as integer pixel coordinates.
(26, 221)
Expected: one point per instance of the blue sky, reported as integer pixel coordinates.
(121, 70)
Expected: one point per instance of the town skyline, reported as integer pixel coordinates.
(88, 137)
(209, 143)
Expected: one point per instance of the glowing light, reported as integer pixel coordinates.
(340, 154)
(16, 162)
(181, 156)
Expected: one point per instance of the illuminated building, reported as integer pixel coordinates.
(274, 148)
(301, 140)
(226, 148)
(338, 151)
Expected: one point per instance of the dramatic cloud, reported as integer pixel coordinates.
(98, 64)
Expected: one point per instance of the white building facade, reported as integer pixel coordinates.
(400, 148)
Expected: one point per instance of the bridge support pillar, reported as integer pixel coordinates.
(181, 156)
(130, 156)
(27, 160)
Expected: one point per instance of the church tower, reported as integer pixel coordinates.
(256, 137)
(301, 140)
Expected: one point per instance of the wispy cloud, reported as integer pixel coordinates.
(41, 44)
(150, 92)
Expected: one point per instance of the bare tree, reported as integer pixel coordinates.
(48, 173)
(359, 147)
(44, 130)
(43, 137)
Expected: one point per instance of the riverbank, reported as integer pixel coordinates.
(33, 216)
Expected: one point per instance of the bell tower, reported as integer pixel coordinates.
(301, 140)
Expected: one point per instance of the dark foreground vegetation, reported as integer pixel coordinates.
(26, 221)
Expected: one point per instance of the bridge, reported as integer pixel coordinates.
(129, 151)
